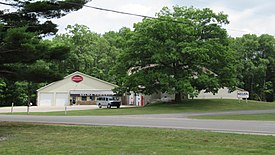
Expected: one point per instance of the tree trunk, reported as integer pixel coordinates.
(178, 97)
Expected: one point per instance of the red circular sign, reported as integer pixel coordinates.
(77, 78)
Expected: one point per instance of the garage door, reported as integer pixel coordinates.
(61, 99)
(46, 99)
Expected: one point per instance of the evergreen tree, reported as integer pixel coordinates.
(22, 49)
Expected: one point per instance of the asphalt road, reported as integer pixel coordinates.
(174, 121)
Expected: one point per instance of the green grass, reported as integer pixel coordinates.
(260, 117)
(26, 138)
(161, 108)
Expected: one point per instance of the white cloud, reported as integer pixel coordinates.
(245, 16)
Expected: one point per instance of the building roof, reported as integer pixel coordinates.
(89, 82)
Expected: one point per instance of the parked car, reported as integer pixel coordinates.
(108, 101)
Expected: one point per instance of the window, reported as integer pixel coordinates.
(84, 98)
(92, 98)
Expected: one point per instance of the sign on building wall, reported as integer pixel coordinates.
(77, 78)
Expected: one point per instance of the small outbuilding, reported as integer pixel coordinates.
(76, 88)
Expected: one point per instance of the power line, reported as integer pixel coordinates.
(97, 8)
(110, 10)
(115, 11)
(8, 4)
(138, 15)
(125, 13)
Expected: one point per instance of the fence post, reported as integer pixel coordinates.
(65, 110)
(12, 104)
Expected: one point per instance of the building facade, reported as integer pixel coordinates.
(75, 89)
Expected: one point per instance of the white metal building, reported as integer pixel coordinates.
(223, 93)
(76, 88)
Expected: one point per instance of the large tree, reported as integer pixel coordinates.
(182, 51)
(21, 32)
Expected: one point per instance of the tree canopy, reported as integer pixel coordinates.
(25, 58)
(256, 65)
(89, 53)
(182, 51)
(21, 32)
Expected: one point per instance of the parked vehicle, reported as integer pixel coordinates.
(108, 101)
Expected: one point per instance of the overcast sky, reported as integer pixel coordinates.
(245, 16)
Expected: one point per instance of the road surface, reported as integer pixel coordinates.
(173, 121)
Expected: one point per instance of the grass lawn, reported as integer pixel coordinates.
(260, 117)
(27, 138)
(161, 108)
